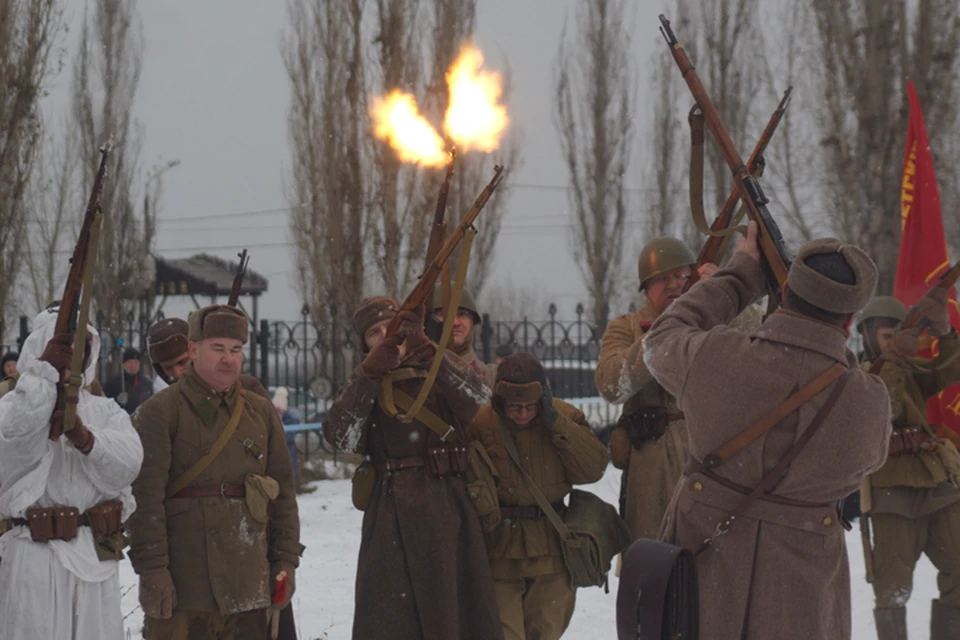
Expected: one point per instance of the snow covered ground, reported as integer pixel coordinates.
(331, 532)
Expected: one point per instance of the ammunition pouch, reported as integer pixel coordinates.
(911, 441)
(63, 523)
(52, 523)
(445, 461)
(363, 484)
(645, 424)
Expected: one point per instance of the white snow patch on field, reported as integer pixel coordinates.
(330, 529)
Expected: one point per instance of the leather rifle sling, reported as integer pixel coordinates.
(201, 465)
(771, 478)
(387, 391)
(779, 412)
(532, 487)
(697, 140)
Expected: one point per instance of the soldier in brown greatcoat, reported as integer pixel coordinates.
(650, 440)
(912, 502)
(780, 569)
(206, 556)
(422, 571)
(558, 449)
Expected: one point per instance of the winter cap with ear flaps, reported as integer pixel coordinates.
(374, 310)
(826, 293)
(520, 378)
(218, 321)
(167, 340)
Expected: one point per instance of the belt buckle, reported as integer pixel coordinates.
(223, 489)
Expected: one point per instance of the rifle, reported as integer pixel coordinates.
(72, 309)
(776, 257)
(916, 319)
(238, 279)
(438, 234)
(425, 285)
(711, 251)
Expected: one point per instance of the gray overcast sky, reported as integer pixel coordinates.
(214, 94)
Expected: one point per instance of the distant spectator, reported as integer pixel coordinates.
(129, 388)
(10, 365)
(503, 351)
(289, 415)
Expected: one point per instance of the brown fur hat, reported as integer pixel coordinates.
(826, 293)
(373, 310)
(167, 339)
(520, 378)
(218, 321)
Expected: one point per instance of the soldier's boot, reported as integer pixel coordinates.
(944, 622)
(891, 623)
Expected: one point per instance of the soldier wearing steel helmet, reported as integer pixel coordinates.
(912, 501)
(650, 440)
(461, 340)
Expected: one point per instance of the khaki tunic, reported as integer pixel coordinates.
(487, 371)
(556, 458)
(219, 556)
(7, 385)
(914, 508)
(778, 567)
(422, 571)
(652, 471)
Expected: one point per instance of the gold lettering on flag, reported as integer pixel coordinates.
(907, 186)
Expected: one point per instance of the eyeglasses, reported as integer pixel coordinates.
(522, 408)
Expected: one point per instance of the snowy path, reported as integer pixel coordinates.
(331, 532)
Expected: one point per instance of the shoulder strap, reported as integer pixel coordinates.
(773, 477)
(532, 487)
(191, 474)
(426, 417)
(779, 412)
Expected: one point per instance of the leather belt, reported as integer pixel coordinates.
(531, 512)
(399, 464)
(673, 417)
(695, 466)
(212, 491)
(82, 521)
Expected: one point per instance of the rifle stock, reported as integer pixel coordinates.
(776, 257)
(70, 301)
(710, 252)
(425, 285)
(238, 279)
(916, 319)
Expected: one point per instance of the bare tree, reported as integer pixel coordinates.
(28, 33)
(594, 118)
(399, 229)
(327, 121)
(106, 75)
(663, 178)
(866, 52)
(54, 201)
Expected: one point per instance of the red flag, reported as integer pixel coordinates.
(923, 247)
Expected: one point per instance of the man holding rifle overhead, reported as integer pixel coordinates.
(912, 501)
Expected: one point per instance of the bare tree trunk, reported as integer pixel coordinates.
(327, 125)
(594, 113)
(106, 75)
(28, 32)
(865, 55)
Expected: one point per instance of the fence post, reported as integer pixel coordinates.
(486, 333)
(24, 332)
(264, 343)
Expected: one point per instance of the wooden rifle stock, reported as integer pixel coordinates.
(711, 248)
(776, 257)
(70, 301)
(916, 319)
(238, 279)
(425, 285)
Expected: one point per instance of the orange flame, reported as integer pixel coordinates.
(397, 120)
(475, 119)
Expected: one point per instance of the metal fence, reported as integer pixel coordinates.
(313, 361)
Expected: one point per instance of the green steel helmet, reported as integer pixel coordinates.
(466, 302)
(882, 307)
(661, 255)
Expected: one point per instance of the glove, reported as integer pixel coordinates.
(291, 584)
(905, 344)
(158, 597)
(935, 311)
(411, 327)
(80, 436)
(59, 353)
(547, 411)
(382, 358)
